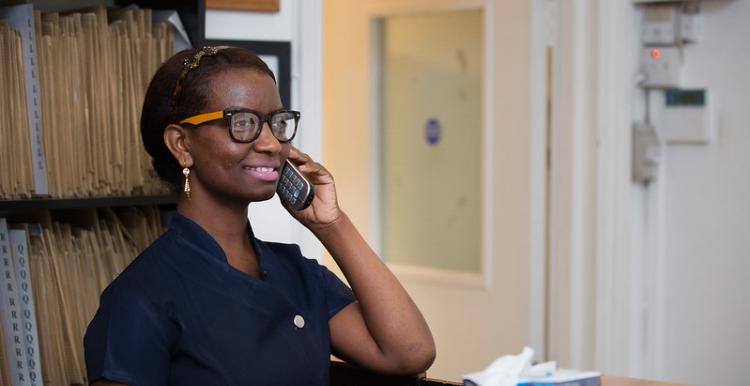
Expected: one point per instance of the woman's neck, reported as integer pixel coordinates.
(225, 222)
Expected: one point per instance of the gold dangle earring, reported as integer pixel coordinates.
(186, 173)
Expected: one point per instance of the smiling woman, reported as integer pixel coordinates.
(209, 303)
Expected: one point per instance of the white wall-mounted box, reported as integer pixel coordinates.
(668, 24)
(662, 67)
(685, 117)
(660, 25)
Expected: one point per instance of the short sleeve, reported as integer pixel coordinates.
(338, 295)
(129, 340)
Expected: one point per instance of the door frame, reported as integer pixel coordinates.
(307, 79)
(604, 314)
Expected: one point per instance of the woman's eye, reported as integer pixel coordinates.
(280, 124)
(244, 121)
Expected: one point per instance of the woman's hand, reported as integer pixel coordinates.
(324, 209)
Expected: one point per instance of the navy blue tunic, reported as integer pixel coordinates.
(181, 315)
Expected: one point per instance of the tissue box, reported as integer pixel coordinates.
(563, 377)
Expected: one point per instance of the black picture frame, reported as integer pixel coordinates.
(281, 50)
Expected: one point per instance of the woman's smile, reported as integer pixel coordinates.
(266, 173)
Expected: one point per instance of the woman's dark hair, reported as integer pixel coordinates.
(167, 103)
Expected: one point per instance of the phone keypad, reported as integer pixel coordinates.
(291, 187)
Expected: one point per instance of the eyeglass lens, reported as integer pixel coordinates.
(245, 126)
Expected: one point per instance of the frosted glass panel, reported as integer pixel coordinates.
(431, 139)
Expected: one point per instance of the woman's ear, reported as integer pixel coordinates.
(177, 139)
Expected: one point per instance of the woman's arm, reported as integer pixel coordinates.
(384, 330)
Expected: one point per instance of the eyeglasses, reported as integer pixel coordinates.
(245, 124)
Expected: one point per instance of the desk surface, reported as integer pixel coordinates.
(607, 380)
(343, 374)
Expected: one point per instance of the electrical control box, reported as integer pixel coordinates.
(660, 25)
(662, 67)
(647, 152)
(668, 25)
(685, 117)
(691, 28)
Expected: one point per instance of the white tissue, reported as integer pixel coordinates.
(504, 371)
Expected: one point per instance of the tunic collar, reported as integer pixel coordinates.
(196, 237)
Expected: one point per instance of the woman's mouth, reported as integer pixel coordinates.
(263, 173)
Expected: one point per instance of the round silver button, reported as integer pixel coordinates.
(299, 321)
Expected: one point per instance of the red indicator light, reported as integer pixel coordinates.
(656, 53)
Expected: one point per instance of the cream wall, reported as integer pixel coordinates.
(346, 79)
(472, 326)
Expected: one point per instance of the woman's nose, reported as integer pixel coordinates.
(266, 141)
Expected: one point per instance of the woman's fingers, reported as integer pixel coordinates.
(307, 165)
(298, 156)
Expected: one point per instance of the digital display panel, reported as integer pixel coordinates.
(682, 98)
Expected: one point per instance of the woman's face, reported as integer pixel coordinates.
(231, 170)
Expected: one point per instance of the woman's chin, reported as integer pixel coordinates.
(265, 196)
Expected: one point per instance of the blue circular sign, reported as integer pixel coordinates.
(433, 131)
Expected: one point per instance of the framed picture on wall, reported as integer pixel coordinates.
(244, 5)
(277, 56)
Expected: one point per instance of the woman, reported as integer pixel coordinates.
(208, 303)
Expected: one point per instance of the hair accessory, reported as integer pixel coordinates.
(193, 63)
(186, 173)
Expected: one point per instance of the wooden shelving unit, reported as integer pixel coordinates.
(18, 206)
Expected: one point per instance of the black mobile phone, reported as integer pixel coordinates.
(293, 188)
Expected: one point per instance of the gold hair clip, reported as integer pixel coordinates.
(192, 63)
